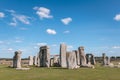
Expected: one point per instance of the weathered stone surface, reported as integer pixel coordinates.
(56, 61)
(30, 60)
(44, 56)
(93, 62)
(35, 60)
(82, 56)
(71, 60)
(104, 59)
(63, 50)
(88, 59)
(77, 56)
(17, 59)
(51, 62)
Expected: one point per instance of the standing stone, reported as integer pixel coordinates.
(93, 62)
(71, 60)
(44, 56)
(107, 60)
(17, 59)
(30, 60)
(38, 60)
(88, 58)
(56, 60)
(104, 59)
(77, 56)
(51, 62)
(82, 56)
(63, 49)
(35, 60)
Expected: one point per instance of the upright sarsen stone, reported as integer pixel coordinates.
(63, 50)
(35, 60)
(77, 56)
(17, 59)
(30, 60)
(82, 56)
(44, 56)
(93, 62)
(71, 60)
(104, 59)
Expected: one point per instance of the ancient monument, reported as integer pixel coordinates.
(30, 60)
(71, 60)
(35, 60)
(82, 56)
(56, 61)
(77, 56)
(90, 59)
(17, 59)
(104, 59)
(63, 50)
(44, 56)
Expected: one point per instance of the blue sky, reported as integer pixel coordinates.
(28, 24)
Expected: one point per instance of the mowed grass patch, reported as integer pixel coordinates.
(56, 73)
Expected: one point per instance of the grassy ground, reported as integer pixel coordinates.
(35, 73)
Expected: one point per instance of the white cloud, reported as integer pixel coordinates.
(43, 12)
(66, 21)
(116, 47)
(18, 17)
(53, 45)
(22, 18)
(23, 28)
(10, 49)
(11, 11)
(51, 31)
(14, 23)
(41, 44)
(117, 17)
(67, 31)
(2, 15)
(69, 46)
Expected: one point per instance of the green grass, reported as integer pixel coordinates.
(35, 73)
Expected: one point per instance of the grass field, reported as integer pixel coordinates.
(35, 73)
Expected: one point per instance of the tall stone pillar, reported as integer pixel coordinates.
(71, 60)
(63, 50)
(17, 59)
(88, 58)
(82, 56)
(35, 60)
(93, 62)
(30, 60)
(77, 56)
(104, 59)
(44, 56)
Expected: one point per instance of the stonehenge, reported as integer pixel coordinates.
(66, 59)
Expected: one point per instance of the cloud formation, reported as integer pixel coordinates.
(117, 17)
(2, 15)
(18, 17)
(116, 47)
(66, 21)
(41, 44)
(43, 12)
(66, 32)
(51, 31)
